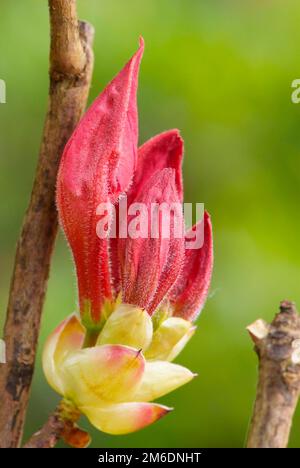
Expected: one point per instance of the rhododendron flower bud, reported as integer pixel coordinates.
(139, 293)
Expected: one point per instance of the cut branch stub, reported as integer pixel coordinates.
(278, 390)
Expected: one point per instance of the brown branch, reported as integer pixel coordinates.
(70, 74)
(278, 349)
(60, 425)
(50, 433)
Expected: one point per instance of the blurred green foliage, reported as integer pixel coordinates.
(221, 72)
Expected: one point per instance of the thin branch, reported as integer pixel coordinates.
(70, 76)
(278, 348)
(50, 433)
(60, 425)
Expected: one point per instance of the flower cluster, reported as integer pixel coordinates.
(138, 297)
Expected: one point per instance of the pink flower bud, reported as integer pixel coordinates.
(100, 165)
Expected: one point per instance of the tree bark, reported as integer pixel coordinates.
(71, 62)
(278, 348)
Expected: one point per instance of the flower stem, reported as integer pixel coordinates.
(90, 338)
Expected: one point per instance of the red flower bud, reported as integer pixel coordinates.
(100, 164)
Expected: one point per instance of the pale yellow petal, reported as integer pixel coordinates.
(169, 339)
(103, 374)
(123, 418)
(176, 350)
(160, 378)
(66, 338)
(127, 325)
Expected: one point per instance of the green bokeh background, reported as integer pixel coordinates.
(221, 72)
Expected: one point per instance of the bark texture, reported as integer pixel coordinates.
(71, 61)
(277, 346)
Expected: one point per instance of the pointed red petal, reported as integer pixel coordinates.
(97, 165)
(151, 265)
(162, 151)
(190, 291)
